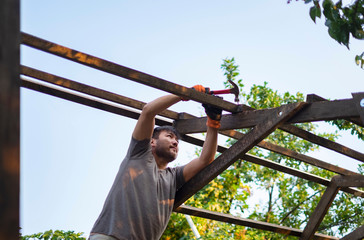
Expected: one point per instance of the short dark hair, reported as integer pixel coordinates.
(166, 128)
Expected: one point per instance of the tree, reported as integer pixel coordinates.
(290, 200)
(341, 21)
(54, 235)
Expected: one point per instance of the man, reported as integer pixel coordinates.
(141, 199)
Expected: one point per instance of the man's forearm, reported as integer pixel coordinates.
(210, 146)
(160, 104)
(145, 124)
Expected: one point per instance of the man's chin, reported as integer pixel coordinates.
(171, 159)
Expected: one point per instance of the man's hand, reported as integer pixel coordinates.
(198, 88)
(213, 116)
(201, 88)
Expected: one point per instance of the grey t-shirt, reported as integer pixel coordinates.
(141, 198)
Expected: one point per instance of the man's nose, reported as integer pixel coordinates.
(175, 142)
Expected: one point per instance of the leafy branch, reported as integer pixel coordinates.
(55, 235)
(341, 21)
(299, 205)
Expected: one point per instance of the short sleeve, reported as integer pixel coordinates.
(180, 180)
(138, 148)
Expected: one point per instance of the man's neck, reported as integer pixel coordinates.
(161, 163)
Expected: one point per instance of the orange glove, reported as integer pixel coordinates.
(213, 116)
(198, 88)
(213, 123)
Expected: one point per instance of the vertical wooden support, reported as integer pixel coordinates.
(9, 119)
(320, 210)
(359, 103)
(357, 234)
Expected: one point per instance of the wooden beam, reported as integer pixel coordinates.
(125, 72)
(295, 155)
(317, 111)
(359, 103)
(87, 101)
(245, 222)
(323, 142)
(320, 211)
(357, 234)
(292, 171)
(350, 181)
(89, 90)
(242, 146)
(315, 98)
(279, 167)
(9, 119)
(317, 139)
(310, 177)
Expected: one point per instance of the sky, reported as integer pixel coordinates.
(70, 153)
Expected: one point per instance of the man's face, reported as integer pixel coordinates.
(166, 146)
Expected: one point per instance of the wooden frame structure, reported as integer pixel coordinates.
(262, 122)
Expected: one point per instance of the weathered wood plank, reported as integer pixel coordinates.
(9, 119)
(285, 169)
(357, 234)
(86, 89)
(323, 142)
(87, 101)
(243, 145)
(315, 98)
(300, 174)
(320, 211)
(328, 110)
(279, 167)
(317, 111)
(292, 154)
(125, 72)
(197, 212)
(350, 181)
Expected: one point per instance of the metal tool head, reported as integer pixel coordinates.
(235, 91)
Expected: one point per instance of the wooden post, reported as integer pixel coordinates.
(9, 119)
(357, 234)
(321, 209)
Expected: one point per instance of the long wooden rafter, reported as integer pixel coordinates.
(247, 222)
(262, 122)
(125, 72)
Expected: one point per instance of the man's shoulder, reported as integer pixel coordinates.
(138, 147)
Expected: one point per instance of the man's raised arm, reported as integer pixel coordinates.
(145, 125)
(210, 146)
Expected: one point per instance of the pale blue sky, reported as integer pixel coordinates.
(70, 153)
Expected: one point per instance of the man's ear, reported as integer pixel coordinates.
(152, 142)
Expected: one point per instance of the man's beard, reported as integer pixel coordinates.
(163, 153)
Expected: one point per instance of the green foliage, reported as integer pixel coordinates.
(289, 200)
(346, 125)
(359, 60)
(54, 235)
(341, 21)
